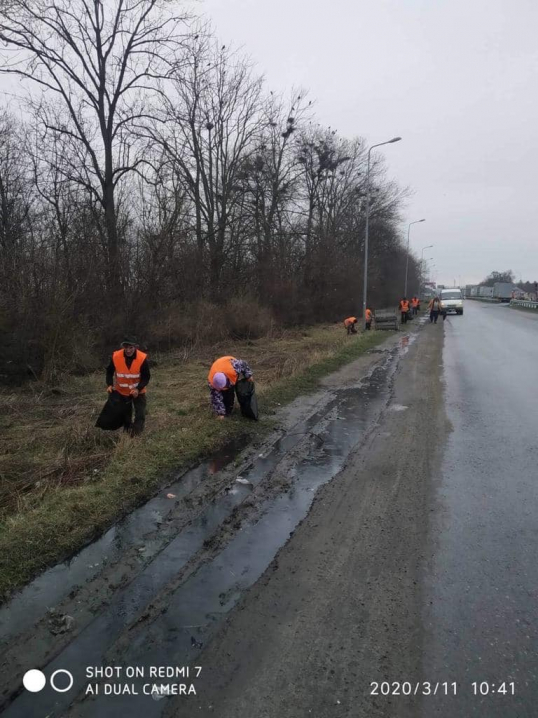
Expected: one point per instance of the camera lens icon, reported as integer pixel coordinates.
(35, 680)
(69, 675)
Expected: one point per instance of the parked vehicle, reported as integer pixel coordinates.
(505, 291)
(452, 300)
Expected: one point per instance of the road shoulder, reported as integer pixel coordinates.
(340, 606)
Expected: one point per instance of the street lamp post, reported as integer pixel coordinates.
(407, 258)
(365, 282)
(429, 246)
(429, 270)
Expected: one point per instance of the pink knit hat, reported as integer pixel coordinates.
(219, 380)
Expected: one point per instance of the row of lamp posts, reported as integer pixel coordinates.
(365, 283)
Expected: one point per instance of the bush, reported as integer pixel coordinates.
(64, 344)
(185, 324)
(202, 323)
(246, 319)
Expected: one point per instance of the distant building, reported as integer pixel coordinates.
(428, 292)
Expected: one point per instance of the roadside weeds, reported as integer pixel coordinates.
(65, 482)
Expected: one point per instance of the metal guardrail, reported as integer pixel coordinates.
(484, 299)
(523, 303)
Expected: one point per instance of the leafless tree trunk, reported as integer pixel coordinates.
(98, 59)
(15, 208)
(208, 127)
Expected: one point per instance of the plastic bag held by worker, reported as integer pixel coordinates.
(115, 413)
(246, 395)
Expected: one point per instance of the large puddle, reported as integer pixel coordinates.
(55, 584)
(199, 604)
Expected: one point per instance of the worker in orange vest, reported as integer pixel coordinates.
(222, 379)
(415, 303)
(369, 317)
(349, 324)
(404, 309)
(128, 374)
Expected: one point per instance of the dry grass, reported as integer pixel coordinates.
(63, 481)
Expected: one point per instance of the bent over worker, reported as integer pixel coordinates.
(128, 374)
(222, 379)
(404, 309)
(349, 324)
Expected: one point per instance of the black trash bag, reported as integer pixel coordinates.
(115, 413)
(246, 396)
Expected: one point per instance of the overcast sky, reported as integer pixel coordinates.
(456, 79)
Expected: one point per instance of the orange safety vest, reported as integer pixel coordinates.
(349, 321)
(414, 302)
(368, 315)
(224, 364)
(404, 306)
(127, 378)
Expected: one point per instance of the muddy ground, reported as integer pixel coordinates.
(339, 608)
(355, 460)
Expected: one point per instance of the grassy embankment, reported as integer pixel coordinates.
(63, 481)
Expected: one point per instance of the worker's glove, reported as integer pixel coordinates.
(110, 389)
(134, 393)
(250, 379)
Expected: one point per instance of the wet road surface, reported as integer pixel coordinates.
(481, 587)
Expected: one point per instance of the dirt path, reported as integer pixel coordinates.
(340, 606)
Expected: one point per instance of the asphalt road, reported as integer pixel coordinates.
(481, 586)
(416, 568)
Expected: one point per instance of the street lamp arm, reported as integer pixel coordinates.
(365, 280)
(417, 221)
(380, 144)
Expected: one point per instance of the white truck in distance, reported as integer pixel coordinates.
(452, 300)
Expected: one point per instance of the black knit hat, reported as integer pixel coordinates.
(130, 342)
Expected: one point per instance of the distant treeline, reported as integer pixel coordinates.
(510, 278)
(495, 277)
(151, 184)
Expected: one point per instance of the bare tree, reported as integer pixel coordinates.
(507, 276)
(269, 180)
(97, 60)
(208, 126)
(15, 207)
(157, 161)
